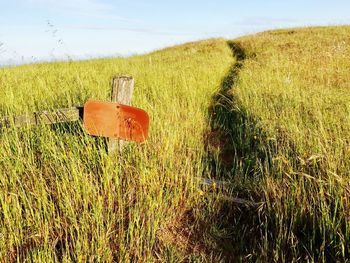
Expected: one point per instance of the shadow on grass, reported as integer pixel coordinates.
(235, 153)
(239, 152)
(234, 141)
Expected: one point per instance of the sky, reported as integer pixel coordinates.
(46, 30)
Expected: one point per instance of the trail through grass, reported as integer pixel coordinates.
(281, 123)
(267, 114)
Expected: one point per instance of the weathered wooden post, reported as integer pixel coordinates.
(122, 89)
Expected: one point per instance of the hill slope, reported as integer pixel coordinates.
(63, 198)
(283, 119)
(267, 114)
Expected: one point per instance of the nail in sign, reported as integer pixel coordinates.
(114, 120)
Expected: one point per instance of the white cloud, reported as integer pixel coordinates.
(82, 8)
(145, 30)
(265, 21)
(85, 5)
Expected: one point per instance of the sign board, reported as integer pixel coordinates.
(114, 120)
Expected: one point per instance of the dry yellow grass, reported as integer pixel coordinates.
(268, 114)
(63, 198)
(286, 111)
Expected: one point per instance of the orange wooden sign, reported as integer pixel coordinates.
(114, 120)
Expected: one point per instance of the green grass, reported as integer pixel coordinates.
(268, 114)
(284, 108)
(63, 198)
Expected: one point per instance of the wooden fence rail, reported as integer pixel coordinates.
(43, 117)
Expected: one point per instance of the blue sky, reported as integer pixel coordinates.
(36, 30)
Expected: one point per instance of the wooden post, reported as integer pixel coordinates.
(122, 88)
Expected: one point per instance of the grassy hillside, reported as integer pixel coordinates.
(63, 198)
(285, 109)
(267, 116)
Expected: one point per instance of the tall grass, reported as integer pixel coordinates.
(283, 115)
(267, 116)
(64, 198)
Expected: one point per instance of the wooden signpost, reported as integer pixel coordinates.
(122, 89)
(116, 120)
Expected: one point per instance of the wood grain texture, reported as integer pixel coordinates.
(122, 89)
(43, 117)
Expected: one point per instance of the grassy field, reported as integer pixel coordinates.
(267, 116)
